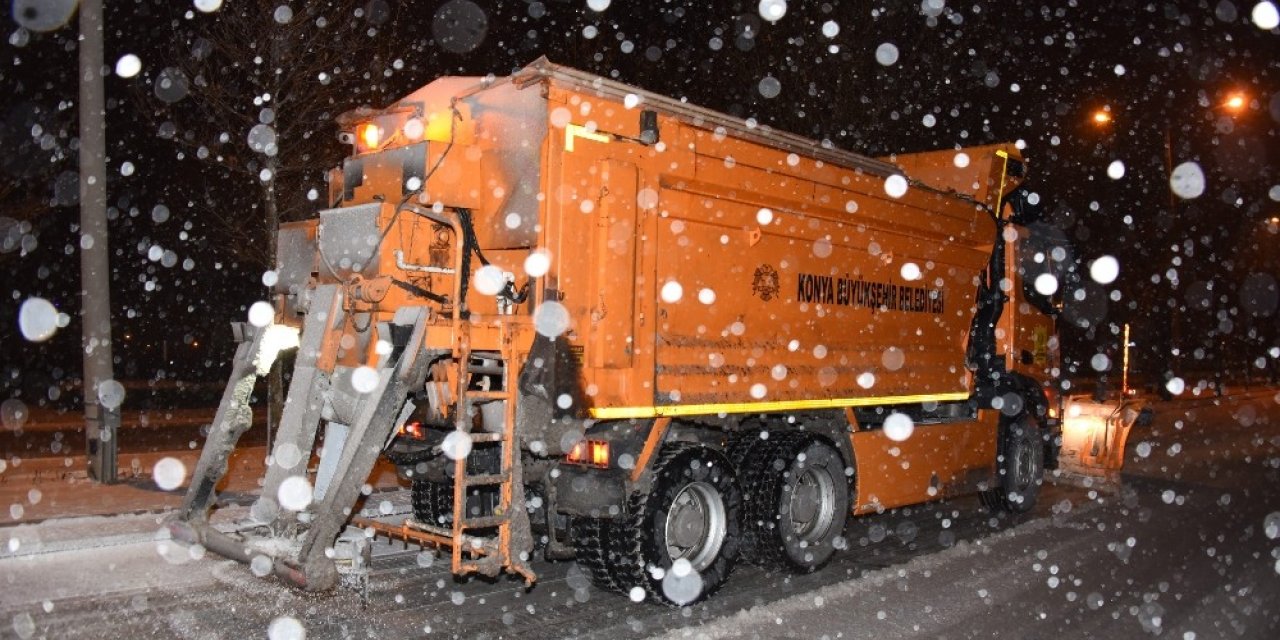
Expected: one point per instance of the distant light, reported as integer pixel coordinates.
(1101, 117)
(1236, 102)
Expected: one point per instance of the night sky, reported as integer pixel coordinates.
(873, 77)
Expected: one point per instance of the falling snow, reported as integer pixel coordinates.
(811, 223)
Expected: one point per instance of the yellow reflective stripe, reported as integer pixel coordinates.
(572, 131)
(1004, 170)
(621, 413)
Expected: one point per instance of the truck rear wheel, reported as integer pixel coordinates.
(1020, 468)
(797, 505)
(679, 542)
(433, 500)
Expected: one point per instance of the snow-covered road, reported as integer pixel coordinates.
(1186, 547)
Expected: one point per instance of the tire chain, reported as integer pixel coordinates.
(431, 500)
(614, 557)
(590, 537)
(762, 479)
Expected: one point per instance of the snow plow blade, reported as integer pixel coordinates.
(1094, 435)
(292, 530)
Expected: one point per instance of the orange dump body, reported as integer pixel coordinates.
(691, 265)
(722, 269)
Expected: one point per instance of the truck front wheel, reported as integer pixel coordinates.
(1020, 468)
(433, 500)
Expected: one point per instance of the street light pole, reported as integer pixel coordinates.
(1175, 317)
(102, 423)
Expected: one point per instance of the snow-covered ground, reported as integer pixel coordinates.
(1184, 546)
(1190, 544)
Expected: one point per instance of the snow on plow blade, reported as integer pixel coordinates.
(293, 524)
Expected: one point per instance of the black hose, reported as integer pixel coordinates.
(470, 244)
(420, 292)
(410, 458)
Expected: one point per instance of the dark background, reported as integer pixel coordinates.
(984, 71)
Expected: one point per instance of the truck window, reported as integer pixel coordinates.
(1046, 266)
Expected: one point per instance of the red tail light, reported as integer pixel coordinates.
(412, 430)
(590, 452)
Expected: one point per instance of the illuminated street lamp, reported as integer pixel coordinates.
(1236, 102)
(1101, 117)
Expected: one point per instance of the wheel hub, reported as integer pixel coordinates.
(813, 504)
(696, 524)
(804, 504)
(1023, 462)
(688, 526)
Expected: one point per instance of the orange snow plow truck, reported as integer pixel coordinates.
(597, 323)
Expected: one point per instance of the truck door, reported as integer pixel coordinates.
(614, 278)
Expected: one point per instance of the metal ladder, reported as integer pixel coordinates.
(509, 517)
(510, 548)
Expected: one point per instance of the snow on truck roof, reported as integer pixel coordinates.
(543, 69)
(454, 89)
(702, 117)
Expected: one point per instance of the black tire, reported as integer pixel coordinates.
(796, 504)
(1019, 468)
(592, 546)
(690, 513)
(433, 500)
(740, 444)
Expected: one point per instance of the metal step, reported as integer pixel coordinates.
(472, 544)
(483, 480)
(484, 522)
(476, 394)
(510, 519)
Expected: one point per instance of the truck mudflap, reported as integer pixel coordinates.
(586, 492)
(296, 542)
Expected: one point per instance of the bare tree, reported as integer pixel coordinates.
(254, 89)
(35, 173)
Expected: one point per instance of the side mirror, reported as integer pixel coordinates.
(1026, 205)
